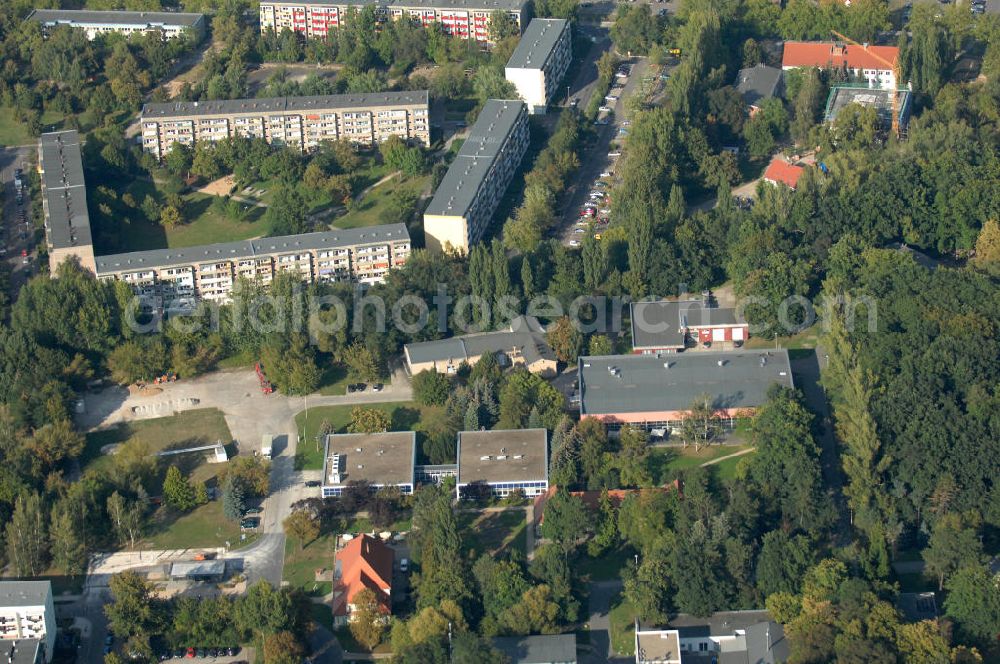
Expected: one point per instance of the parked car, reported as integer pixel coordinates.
(574, 243)
(249, 523)
(404, 565)
(251, 511)
(191, 653)
(313, 483)
(615, 154)
(179, 653)
(377, 387)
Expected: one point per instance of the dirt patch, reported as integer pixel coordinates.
(221, 187)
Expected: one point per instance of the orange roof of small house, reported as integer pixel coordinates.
(834, 55)
(781, 171)
(365, 562)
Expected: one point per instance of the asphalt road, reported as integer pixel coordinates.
(595, 158)
(12, 229)
(599, 607)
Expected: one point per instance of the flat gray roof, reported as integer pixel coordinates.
(157, 258)
(546, 649)
(195, 569)
(64, 189)
(661, 324)
(531, 445)
(612, 384)
(465, 176)
(24, 593)
(658, 646)
(89, 16)
(283, 104)
(385, 459)
(537, 43)
(472, 5)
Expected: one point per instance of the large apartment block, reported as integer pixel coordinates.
(467, 197)
(64, 199)
(538, 64)
(27, 621)
(364, 119)
(169, 24)
(460, 18)
(172, 279)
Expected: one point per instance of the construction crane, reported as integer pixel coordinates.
(897, 76)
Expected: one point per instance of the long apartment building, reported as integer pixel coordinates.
(538, 64)
(364, 119)
(64, 200)
(464, 203)
(168, 24)
(27, 621)
(460, 18)
(172, 279)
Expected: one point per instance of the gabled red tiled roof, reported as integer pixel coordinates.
(834, 55)
(781, 171)
(365, 562)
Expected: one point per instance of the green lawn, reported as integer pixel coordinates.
(203, 225)
(492, 532)
(405, 416)
(334, 381)
(203, 527)
(368, 212)
(300, 566)
(190, 428)
(622, 618)
(605, 567)
(13, 132)
(668, 461)
(726, 470)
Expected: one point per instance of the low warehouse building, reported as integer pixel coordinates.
(381, 459)
(504, 461)
(201, 570)
(673, 326)
(656, 391)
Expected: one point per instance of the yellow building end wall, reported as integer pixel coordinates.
(442, 233)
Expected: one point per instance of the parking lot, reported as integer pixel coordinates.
(17, 232)
(588, 207)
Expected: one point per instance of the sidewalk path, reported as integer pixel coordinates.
(729, 456)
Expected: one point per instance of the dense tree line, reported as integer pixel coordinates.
(64, 73)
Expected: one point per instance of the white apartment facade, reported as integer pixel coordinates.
(463, 204)
(299, 122)
(96, 23)
(174, 279)
(27, 612)
(538, 64)
(468, 19)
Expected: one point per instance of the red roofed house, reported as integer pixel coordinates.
(871, 63)
(365, 562)
(780, 171)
